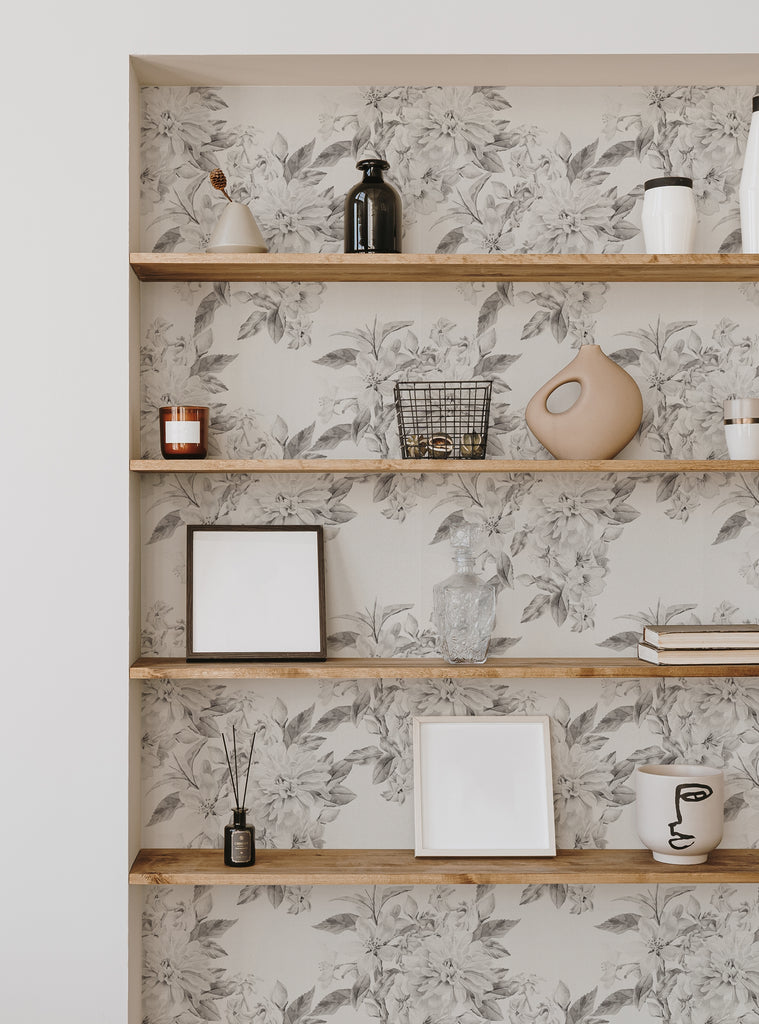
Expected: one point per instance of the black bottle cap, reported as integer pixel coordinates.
(373, 161)
(671, 180)
(755, 103)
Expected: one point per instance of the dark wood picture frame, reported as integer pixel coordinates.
(288, 591)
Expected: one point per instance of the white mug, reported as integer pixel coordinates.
(742, 427)
(680, 811)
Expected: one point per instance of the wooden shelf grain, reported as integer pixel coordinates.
(401, 867)
(428, 668)
(414, 267)
(378, 466)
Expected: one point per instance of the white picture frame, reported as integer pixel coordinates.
(255, 593)
(483, 786)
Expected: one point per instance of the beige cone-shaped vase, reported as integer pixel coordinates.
(602, 420)
(236, 231)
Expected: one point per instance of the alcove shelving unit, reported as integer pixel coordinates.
(312, 867)
(364, 866)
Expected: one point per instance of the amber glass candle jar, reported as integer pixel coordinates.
(184, 431)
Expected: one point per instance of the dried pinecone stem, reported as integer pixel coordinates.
(219, 181)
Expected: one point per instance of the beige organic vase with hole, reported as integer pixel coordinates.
(604, 418)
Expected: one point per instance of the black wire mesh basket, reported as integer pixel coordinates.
(443, 419)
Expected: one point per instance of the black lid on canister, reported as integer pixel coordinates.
(755, 103)
(671, 180)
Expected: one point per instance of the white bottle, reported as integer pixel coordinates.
(669, 215)
(749, 190)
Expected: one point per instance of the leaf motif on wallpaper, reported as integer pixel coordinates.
(615, 154)
(451, 241)
(338, 358)
(732, 243)
(164, 809)
(621, 923)
(207, 307)
(535, 324)
(615, 1002)
(336, 1000)
(165, 527)
(582, 161)
(734, 805)
(621, 641)
(338, 923)
(500, 644)
(168, 241)
(300, 159)
(731, 528)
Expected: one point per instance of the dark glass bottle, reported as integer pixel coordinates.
(239, 841)
(372, 212)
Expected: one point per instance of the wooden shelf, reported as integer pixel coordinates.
(377, 466)
(428, 668)
(401, 867)
(412, 267)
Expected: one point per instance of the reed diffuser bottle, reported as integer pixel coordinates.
(239, 837)
(239, 841)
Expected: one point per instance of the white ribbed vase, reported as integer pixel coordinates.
(749, 187)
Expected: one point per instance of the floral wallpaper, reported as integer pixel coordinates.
(580, 562)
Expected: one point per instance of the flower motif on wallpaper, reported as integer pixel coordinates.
(699, 132)
(181, 976)
(564, 309)
(296, 789)
(283, 310)
(382, 353)
(161, 631)
(562, 537)
(574, 216)
(687, 959)
(179, 370)
(196, 499)
(523, 191)
(743, 498)
(683, 955)
(298, 782)
(409, 960)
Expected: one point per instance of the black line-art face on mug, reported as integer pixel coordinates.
(685, 794)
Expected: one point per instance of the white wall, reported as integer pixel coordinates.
(64, 715)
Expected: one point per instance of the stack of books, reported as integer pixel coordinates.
(700, 645)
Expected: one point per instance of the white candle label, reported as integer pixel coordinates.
(182, 432)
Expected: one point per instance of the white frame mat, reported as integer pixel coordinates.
(483, 786)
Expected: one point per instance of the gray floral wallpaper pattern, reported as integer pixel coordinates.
(580, 562)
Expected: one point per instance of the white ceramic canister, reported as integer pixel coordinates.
(742, 427)
(749, 188)
(680, 811)
(669, 215)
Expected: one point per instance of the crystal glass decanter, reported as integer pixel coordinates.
(463, 605)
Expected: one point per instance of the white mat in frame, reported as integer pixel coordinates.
(482, 786)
